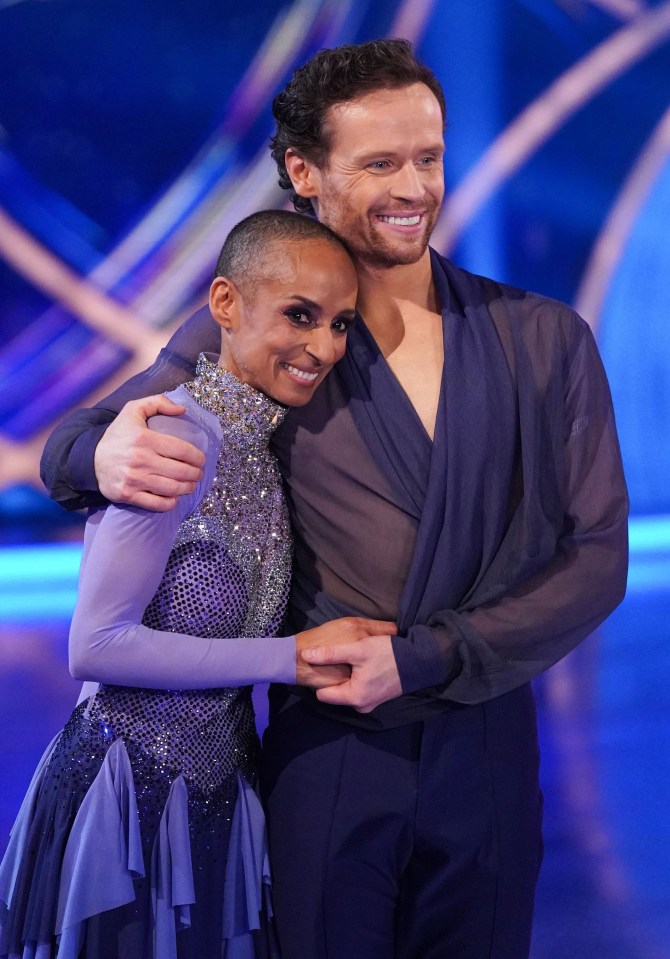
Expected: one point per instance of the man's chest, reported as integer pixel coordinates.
(416, 360)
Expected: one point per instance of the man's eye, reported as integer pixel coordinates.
(379, 164)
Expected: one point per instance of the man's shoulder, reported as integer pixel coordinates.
(512, 305)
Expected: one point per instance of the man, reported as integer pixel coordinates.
(458, 473)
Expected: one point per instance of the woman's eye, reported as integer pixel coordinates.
(297, 316)
(341, 326)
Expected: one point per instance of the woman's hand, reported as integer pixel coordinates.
(337, 632)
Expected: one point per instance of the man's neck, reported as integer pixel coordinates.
(384, 291)
(400, 308)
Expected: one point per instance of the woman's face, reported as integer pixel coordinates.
(284, 333)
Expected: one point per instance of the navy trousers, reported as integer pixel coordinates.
(420, 842)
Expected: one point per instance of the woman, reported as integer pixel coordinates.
(141, 834)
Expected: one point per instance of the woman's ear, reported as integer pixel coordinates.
(303, 173)
(224, 302)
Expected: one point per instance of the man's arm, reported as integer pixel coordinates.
(489, 647)
(80, 471)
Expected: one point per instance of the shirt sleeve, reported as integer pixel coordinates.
(475, 653)
(66, 467)
(125, 553)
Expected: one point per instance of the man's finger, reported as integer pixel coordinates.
(157, 504)
(171, 456)
(152, 405)
(380, 627)
(161, 485)
(173, 448)
(327, 655)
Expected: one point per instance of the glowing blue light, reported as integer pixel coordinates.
(649, 534)
(31, 565)
(40, 582)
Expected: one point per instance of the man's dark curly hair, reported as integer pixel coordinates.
(336, 76)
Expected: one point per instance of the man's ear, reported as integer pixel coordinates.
(303, 173)
(224, 300)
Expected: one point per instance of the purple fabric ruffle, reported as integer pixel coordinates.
(11, 862)
(172, 890)
(247, 882)
(103, 852)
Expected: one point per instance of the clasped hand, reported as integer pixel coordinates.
(349, 662)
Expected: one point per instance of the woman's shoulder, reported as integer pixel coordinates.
(197, 425)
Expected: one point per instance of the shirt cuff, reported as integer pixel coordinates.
(81, 461)
(419, 658)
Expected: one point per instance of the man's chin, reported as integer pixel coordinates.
(395, 254)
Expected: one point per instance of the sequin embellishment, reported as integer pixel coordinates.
(228, 575)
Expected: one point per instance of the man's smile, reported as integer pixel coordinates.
(398, 220)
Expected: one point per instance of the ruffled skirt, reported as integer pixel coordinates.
(141, 836)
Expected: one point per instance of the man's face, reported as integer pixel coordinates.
(285, 332)
(383, 184)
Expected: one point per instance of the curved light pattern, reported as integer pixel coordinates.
(614, 234)
(212, 165)
(19, 462)
(221, 173)
(196, 240)
(623, 9)
(50, 275)
(545, 115)
(411, 19)
(191, 254)
(84, 297)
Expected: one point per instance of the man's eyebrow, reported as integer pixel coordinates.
(371, 154)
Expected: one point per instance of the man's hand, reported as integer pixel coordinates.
(143, 467)
(374, 675)
(336, 634)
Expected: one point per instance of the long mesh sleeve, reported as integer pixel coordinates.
(125, 553)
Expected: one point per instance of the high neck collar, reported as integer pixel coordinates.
(251, 413)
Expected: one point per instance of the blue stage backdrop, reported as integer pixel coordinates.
(134, 133)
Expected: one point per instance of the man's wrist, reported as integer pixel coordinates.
(420, 659)
(81, 463)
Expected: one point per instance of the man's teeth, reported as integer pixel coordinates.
(310, 377)
(401, 220)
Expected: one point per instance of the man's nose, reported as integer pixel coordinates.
(407, 183)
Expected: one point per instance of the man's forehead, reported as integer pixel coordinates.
(379, 108)
(380, 117)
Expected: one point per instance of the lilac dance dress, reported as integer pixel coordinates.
(141, 834)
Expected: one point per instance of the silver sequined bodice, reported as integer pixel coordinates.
(227, 575)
